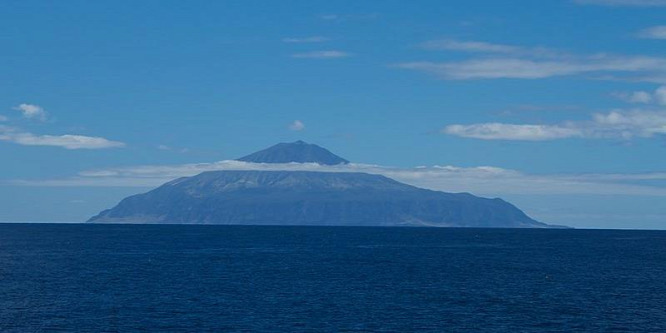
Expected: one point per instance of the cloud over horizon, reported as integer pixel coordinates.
(67, 141)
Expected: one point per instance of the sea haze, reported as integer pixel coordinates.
(95, 277)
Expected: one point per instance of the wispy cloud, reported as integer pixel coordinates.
(639, 97)
(32, 111)
(629, 3)
(67, 141)
(532, 108)
(3, 118)
(660, 95)
(350, 17)
(329, 17)
(501, 131)
(330, 54)
(296, 125)
(312, 39)
(501, 61)
(613, 125)
(522, 68)
(169, 148)
(644, 97)
(485, 47)
(484, 180)
(658, 32)
(468, 46)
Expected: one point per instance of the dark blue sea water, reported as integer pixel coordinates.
(292, 279)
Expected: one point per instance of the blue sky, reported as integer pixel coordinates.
(558, 106)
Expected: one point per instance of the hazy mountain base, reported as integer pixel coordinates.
(310, 198)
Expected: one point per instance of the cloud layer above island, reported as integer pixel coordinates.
(489, 181)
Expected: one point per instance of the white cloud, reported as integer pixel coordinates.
(469, 46)
(484, 180)
(312, 39)
(630, 124)
(615, 124)
(331, 54)
(32, 111)
(485, 47)
(629, 3)
(499, 131)
(296, 125)
(169, 148)
(658, 32)
(3, 118)
(349, 17)
(660, 95)
(639, 97)
(519, 68)
(499, 61)
(643, 97)
(66, 141)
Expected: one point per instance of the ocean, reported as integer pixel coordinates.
(181, 278)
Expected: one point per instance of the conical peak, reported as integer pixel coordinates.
(296, 152)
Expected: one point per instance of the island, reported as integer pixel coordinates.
(249, 197)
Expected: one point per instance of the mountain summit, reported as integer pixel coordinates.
(309, 198)
(298, 152)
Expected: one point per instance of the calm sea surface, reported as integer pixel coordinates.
(292, 279)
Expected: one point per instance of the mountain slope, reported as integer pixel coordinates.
(310, 198)
(298, 152)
